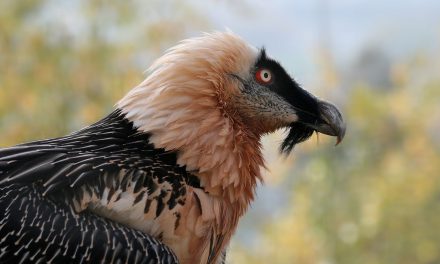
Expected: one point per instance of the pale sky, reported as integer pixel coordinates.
(292, 30)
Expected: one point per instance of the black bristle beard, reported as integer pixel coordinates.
(298, 133)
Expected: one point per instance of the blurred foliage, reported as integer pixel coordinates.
(64, 64)
(373, 199)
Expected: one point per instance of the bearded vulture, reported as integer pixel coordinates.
(167, 175)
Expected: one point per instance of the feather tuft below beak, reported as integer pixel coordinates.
(329, 122)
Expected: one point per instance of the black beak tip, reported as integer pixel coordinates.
(332, 123)
(340, 135)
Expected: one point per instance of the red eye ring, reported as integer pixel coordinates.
(263, 76)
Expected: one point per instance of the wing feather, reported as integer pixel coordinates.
(50, 176)
(50, 233)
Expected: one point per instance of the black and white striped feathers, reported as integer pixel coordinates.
(34, 229)
(47, 185)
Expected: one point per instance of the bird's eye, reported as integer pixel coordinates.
(263, 76)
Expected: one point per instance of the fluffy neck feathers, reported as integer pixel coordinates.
(183, 103)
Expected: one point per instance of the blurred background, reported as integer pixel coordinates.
(373, 199)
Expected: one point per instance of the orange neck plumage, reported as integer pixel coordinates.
(185, 105)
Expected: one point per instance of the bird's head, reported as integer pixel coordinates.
(266, 98)
(217, 84)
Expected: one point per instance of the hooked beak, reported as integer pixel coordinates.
(330, 121)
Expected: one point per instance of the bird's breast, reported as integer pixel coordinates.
(183, 221)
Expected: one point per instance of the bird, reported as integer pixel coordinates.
(166, 176)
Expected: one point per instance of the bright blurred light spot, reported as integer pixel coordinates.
(348, 232)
